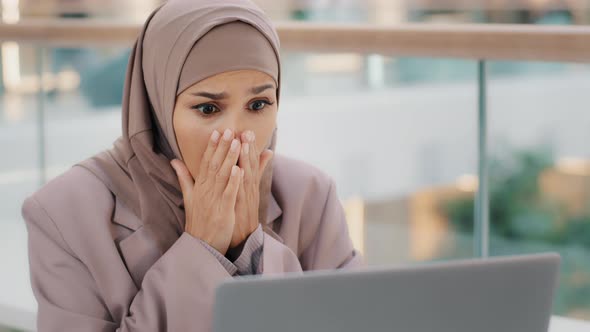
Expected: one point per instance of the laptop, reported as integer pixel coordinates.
(500, 294)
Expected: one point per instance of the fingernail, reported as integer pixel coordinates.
(252, 136)
(215, 136)
(227, 135)
(242, 172)
(246, 148)
(234, 170)
(234, 145)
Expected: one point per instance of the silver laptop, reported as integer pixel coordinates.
(501, 294)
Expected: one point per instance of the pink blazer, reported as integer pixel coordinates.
(93, 269)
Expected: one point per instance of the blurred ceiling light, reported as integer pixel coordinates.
(574, 166)
(67, 80)
(10, 50)
(467, 183)
(334, 63)
(11, 65)
(10, 11)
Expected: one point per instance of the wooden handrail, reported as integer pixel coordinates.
(469, 41)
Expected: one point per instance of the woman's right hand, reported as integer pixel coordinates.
(210, 198)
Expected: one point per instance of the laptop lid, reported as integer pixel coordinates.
(512, 293)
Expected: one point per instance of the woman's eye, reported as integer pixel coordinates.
(258, 105)
(206, 109)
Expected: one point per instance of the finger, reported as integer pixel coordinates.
(220, 153)
(241, 191)
(231, 190)
(244, 161)
(222, 177)
(240, 211)
(209, 151)
(241, 198)
(253, 153)
(184, 178)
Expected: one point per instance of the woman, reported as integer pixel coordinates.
(137, 238)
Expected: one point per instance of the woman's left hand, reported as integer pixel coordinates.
(253, 165)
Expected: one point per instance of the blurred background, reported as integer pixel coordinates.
(398, 134)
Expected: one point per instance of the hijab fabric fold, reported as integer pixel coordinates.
(137, 168)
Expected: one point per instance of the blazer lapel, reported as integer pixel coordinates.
(125, 217)
(273, 219)
(274, 210)
(138, 250)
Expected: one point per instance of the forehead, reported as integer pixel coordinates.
(234, 79)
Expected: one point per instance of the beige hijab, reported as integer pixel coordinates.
(167, 58)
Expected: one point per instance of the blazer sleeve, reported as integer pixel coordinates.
(330, 247)
(176, 294)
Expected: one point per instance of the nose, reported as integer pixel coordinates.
(236, 125)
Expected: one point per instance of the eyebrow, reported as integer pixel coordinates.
(222, 95)
(259, 89)
(210, 95)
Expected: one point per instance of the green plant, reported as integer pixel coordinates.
(518, 210)
(522, 220)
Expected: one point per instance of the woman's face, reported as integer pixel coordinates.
(241, 100)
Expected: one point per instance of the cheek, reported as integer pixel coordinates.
(264, 135)
(192, 138)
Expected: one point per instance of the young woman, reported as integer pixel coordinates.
(137, 237)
